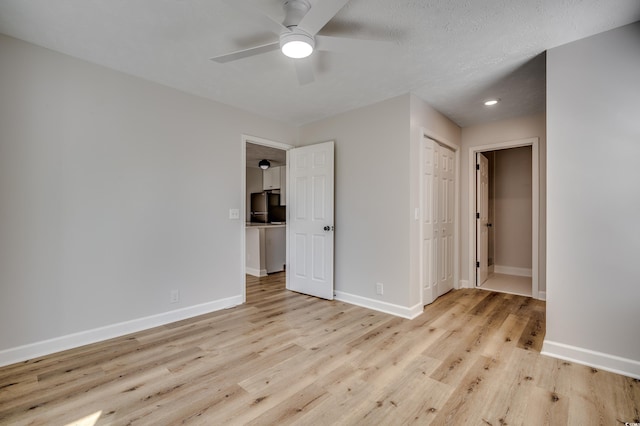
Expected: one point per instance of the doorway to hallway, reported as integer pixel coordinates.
(504, 222)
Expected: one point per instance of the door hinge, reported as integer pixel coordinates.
(477, 264)
(477, 215)
(477, 166)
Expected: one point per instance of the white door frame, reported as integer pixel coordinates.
(425, 299)
(535, 206)
(243, 190)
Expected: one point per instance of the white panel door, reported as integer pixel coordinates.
(482, 218)
(429, 221)
(438, 219)
(310, 220)
(446, 214)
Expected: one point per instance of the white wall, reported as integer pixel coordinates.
(113, 192)
(512, 201)
(532, 126)
(371, 199)
(593, 280)
(376, 192)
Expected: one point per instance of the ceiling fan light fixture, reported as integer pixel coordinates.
(264, 164)
(296, 45)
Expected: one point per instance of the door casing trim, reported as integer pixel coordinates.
(243, 202)
(535, 206)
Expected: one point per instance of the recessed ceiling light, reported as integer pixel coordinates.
(491, 102)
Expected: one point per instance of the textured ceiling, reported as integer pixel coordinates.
(451, 53)
(255, 153)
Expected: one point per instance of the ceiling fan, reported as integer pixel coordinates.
(298, 34)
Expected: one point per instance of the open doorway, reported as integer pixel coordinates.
(504, 222)
(264, 235)
(504, 199)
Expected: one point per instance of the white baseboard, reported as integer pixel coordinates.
(464, 284)
(256, 272)
(599, 360)
(542, 295)
(377, 305)
(511, 270)
(46, 347)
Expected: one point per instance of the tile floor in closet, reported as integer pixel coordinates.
(508, 284)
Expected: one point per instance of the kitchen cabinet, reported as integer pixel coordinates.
(275, 249)
(254, 250)
(266, 250)
(271, 178)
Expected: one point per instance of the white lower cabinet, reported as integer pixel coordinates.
(254, 249)
(265, 249)
(275, 250)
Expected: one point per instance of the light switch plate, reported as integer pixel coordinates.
(234, 213)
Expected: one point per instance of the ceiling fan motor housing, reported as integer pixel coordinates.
(295, 11)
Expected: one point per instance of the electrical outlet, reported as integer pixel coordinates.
(175, 296)
(379, 288)
(234, 213)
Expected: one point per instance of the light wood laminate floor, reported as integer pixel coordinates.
(472, 358)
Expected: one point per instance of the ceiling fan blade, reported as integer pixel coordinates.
(245, 53)
(267, 21)
(352, 45)
(304, 70)
(319, 14)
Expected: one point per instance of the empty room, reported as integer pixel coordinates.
(294, 212)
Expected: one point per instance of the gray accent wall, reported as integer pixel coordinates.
(593, 249)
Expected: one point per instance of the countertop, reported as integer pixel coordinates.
(266, 225)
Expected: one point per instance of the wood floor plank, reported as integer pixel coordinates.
(405, 398)
(472, 358)
(533, 334)
(508, 401)
(292, 409)
(301, 368)
(505, 337)
(385, 363)
(549, 409)
(465, 404)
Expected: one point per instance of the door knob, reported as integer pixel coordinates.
(328, 228)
